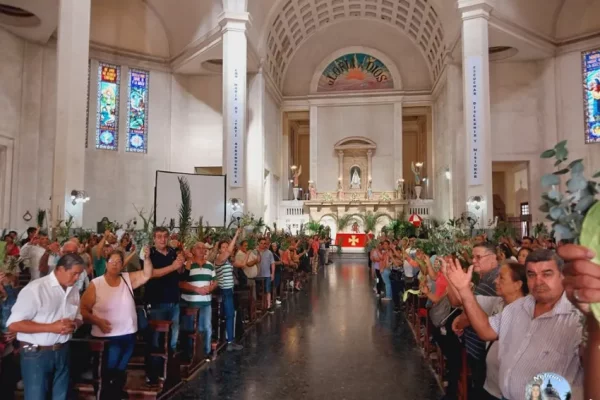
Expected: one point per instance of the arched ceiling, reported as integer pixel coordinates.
(298, 20)
(398, 48)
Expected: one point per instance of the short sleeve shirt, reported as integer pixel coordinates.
(266, 259)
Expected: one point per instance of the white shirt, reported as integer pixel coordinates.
(528, 346)
(492, 305)
(45, 301)
(116, 305)
(31, 255)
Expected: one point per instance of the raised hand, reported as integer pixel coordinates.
(146, 252)
(460, 279)
(582, 276)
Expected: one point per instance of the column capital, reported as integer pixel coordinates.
(474, 9)
(340, 153)
(369, 153)
(233, 21)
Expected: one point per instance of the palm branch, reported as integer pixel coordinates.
(313, 226)
(185, 209)
(41, 217)
(370, 219)
(341, 222)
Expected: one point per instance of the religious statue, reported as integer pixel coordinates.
(355, 227)
(312, 190)
(340, 191)
(369, 192)
(400, 189)
(355, 177)
(416, 169)
(296, 174)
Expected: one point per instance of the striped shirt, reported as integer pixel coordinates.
(225, 275)
(199, 276)
(529, 346)
(486, 287)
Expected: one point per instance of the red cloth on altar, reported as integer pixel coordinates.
(351, 239)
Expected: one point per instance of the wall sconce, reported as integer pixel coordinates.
(448, 173)
(79, 196)
(236, 204)
(475, 201)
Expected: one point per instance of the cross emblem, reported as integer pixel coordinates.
(353, 240)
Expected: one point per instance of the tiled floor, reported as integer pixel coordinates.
(333, 341)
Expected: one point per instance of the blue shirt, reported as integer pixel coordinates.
(266, 259)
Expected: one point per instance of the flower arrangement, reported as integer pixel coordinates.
(575, 214)
(327, 197)
(385, 197)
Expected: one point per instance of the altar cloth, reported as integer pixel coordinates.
(353, 240)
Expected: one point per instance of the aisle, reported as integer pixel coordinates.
(332, 342)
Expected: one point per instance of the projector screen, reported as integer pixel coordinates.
(207, 192)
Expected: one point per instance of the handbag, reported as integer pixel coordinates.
(142, 314)
(440, 312)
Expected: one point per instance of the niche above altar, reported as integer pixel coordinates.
(355, 154)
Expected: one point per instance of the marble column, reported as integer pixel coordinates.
(71, 99)
(233, 28)
(255, 147)
(475, 45)
(397, 143)
(314, 145)
(369, 165)
(341, 165)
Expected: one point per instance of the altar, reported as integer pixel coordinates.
(351, 240)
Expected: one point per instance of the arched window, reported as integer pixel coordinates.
(107, 122)
(137, 112)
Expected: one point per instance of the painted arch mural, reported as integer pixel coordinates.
(355, 71)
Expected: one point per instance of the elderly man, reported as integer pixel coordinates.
(198, 281)
(536, 334)
(44, 317)
(484, 263)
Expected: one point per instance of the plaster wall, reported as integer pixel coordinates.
(337, 122)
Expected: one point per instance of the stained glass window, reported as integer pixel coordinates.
(137, 111)
(107, 126)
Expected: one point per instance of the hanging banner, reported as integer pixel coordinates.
(474, 100)
(236, 132)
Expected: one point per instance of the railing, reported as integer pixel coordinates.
(424, 208)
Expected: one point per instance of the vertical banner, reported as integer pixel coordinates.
(236, 148)
(591, 95)
(474, 68)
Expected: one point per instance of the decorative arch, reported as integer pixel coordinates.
(292, 22)
(355, 143)
(320, 74)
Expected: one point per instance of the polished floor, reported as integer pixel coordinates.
(334, 341)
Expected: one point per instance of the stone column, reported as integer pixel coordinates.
(340, 166)
(314, 145)
(255, 147)
(475, 15)
(369, 165)
(398, 173)
(234, 102)
(71, 99)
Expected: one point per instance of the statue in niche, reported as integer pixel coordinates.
(296, 176)
(340, 190)
(369, 192)
(313, 191)
(355, 177)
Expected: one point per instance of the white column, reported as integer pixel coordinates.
(314, 145)
(340, 166)
(455, 121)
(475, 15)
(369, 165)
(255, 146)
(397, 143)
(71, 90)
(234, 102)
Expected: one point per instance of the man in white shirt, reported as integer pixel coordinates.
(44, 317)
(32, 253)
(538, 333)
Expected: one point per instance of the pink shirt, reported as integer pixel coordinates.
(116, 305)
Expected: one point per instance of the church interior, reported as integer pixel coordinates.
(346, 118)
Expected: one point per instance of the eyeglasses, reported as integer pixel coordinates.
(478, 257)
(115, 262)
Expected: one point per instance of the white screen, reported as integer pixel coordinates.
(208, 198)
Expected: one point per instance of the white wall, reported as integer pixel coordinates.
(373, 121)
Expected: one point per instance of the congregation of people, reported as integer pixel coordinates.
(514, 308)
(106, 289)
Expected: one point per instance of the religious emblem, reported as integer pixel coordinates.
(353, 240)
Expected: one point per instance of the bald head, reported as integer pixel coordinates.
(70, 248)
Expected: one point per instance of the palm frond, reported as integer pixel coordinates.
(41, 217)
(185, 209)
(370, 219)
(314, 227)
(344, 221)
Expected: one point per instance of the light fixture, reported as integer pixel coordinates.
(293, 168)
(236, 204)
(448, 174)
(79, 196)
(419, 164)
